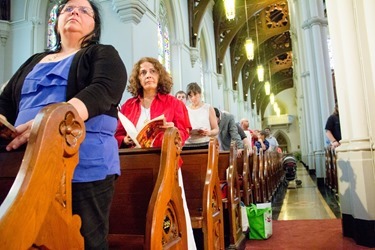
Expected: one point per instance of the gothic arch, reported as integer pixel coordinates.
(283, 140)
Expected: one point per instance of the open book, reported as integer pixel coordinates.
(146, 136)
(7, 130)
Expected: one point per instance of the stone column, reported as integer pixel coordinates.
(353, 42)
(318, 90)
(4, 33)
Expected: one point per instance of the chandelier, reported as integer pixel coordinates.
(267, 87)
(260, 69)
(249, 45)
(230, 9)
(272, 98)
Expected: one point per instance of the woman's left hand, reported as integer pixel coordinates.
(23, 134)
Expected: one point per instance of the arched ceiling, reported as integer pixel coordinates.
(268, 24)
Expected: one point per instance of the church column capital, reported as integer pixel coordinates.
(4, 32)
(220, 80)
(194, 55)
(130, 10)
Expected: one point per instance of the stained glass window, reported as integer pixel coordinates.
(163, 38)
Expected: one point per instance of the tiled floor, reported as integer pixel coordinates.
(306, 201)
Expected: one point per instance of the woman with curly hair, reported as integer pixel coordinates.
(150, 85)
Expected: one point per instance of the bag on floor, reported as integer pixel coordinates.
(260, 220)
(244, 219)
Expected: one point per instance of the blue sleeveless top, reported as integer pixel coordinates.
(98, 153)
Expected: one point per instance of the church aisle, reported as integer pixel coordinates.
(304, 202)
(299, 216)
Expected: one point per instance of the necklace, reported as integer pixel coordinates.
(52, 58)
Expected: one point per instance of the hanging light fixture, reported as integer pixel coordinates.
(267, 84)
(278, 112)
(260, 72)
(267, 87)
(260, 69)
(272, 98)
(230, 9)
(275, 106)
(249, 45)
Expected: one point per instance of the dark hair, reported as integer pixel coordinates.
(336, 110)
(91, 38)
(217, 112)
(180, 92)
(165, 80)
(194, 88)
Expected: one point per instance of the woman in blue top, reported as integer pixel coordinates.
(91, 77)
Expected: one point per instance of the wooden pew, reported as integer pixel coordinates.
(147, 210)
(203, 194)
(331, 169)
(235, 239)
(244, 167)
(255, 178)
(329, 165)
(334, 172)
(37, 211)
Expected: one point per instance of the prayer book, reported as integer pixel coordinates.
(146, 136)
(7, 130)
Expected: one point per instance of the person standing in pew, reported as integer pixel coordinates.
(262, 142)
(181, 95)
(150, 85)
(246, 142)
(91, 77)
(333, 129)
(228, 131)
(202, 118)
(271, 139)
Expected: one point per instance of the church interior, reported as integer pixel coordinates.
(281, 64)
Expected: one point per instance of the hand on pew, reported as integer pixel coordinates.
(239, 153)
(128, 141)
(22, 136)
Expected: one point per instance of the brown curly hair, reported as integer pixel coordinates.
(165, 80)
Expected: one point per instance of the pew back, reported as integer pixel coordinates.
(147, 210)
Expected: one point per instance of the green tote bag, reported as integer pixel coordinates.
(260, 220)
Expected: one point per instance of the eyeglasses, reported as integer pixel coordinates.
(82, 9)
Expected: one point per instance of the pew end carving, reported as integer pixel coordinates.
(203, 194)
(228, 172)
(169, 230)
(38, 208)
(147, 210)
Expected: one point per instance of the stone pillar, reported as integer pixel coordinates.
(4, 33)
(353, 42)
(318, 90)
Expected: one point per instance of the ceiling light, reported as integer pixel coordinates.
(267, 87)
(230, 9)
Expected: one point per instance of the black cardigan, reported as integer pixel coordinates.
(97, 77)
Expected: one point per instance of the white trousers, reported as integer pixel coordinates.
(189, 229)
